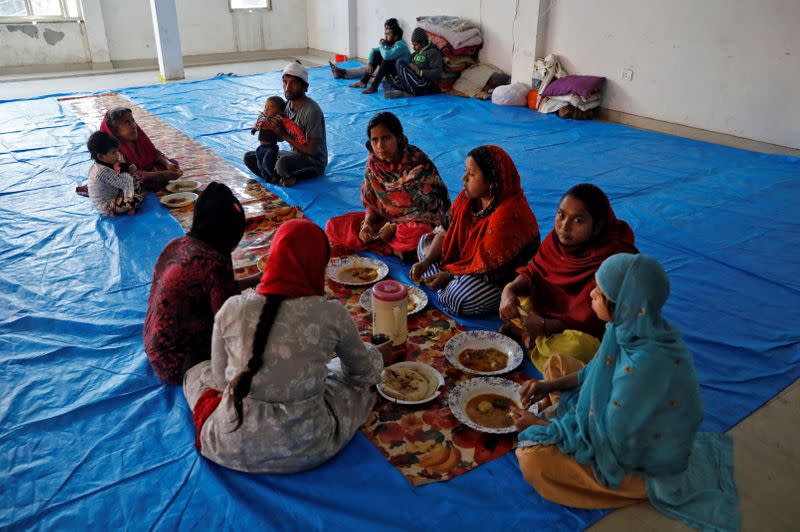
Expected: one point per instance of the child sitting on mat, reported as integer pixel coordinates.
(267, 151)
(113, 187)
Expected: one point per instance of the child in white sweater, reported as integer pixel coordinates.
(113, 186)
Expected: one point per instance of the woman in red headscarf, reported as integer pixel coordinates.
(491, 231)
(153, 166)
(288, 383)
(402, 191)
(560, 277)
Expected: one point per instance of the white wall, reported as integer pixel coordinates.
(206, 27)
(43, 44)
(124, 30)
(327, 21)
(720, 65)
(371, 14)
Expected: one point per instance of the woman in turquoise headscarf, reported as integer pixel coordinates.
(626, 425)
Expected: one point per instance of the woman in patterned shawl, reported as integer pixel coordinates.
(404, 196)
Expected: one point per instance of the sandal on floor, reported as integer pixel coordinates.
(358, 85)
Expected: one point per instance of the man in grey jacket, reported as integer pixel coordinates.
(418, 76)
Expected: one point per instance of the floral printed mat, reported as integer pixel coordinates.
(425, 442)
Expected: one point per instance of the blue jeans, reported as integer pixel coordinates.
(266, 157)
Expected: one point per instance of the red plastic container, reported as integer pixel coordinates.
(340, 58)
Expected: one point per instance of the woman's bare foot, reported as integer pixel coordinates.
(131, 212)
(358, 85)
(337, 72)
(369, 90)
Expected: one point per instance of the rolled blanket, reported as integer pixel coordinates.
(447, 49)
(450, 22)
(457, 39)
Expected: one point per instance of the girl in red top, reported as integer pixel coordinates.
(561, 275)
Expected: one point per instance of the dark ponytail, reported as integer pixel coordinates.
(241, 383)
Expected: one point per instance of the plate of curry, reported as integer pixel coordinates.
(483, 353)
(484, 404)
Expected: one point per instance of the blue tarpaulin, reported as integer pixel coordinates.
(90, 437)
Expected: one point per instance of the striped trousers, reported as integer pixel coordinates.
(465, 295)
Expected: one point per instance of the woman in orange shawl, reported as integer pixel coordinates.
(491, 231)
(402, 191)
(561, 275)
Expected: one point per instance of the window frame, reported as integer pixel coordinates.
(35, 19)
(249, 9)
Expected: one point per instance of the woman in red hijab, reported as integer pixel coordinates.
(561, 275)
(134, 144)
(288, 383)
(491, 231)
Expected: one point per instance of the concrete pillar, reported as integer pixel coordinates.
(96, 39)
(168, 42)
(527, 26)
(352, 30)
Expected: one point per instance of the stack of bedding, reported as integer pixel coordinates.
(581, 92)
(458, 39)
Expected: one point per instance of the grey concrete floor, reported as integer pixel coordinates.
(766, 444)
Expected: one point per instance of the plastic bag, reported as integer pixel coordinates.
(514, 94)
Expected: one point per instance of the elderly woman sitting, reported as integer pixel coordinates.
(154, 168)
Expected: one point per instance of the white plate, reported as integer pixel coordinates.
(416, 296)
(179, 199)
(337, 265)
(461, 395)
(419, 366)
(183, 185)
(483, 340)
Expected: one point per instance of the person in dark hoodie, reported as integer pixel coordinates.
(417, 76)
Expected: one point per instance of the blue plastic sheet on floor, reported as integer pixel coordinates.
(88, 435)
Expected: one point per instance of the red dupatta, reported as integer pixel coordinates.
(481, 245)
(142, 153)
(561, 277)
(297, 260)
